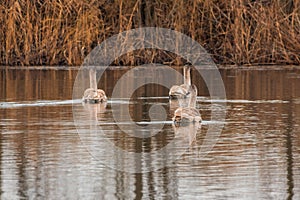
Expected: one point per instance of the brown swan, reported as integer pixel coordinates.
(183, 90)
(190, 113)
(93, 94)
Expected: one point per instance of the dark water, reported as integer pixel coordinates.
(42, 156)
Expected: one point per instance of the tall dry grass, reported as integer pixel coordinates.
(63, 32)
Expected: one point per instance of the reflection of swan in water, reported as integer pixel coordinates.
(188, 132)
(91, 114)
(182, 91)
(94, 109)
(190, 113)
(92, 94)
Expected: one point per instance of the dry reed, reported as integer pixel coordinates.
(63, 32)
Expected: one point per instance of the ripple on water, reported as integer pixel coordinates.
(42, 154)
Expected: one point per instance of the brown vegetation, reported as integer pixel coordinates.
(63, 32)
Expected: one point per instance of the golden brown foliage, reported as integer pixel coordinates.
(44, 32)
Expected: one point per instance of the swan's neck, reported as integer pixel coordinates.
(192, 103)
(187, 75)
(93, 81)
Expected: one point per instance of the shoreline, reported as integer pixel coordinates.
(221, 67)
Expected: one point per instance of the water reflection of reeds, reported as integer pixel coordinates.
(28, 84)
(257, 154)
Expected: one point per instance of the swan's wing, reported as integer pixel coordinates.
(173, 90)
(187, 114)
(101, 95)
(94, 96)
(89, 93)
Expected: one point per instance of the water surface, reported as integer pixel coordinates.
(257, 155)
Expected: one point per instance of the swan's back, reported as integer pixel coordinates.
(183, 90)
(178, 92)
(187, 114)
(101, 94)
(94, 96)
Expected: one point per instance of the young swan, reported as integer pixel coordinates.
(188, 114)
(92, 94)
(183, 90)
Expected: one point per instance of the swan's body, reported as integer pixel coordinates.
(182, 91)
(93, 94)
(190, 113)
(186, 115)
(178, 92)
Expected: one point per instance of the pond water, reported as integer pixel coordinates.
(43, 154)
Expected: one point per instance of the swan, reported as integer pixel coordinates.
(183, 90)
(190, 113)
(92, 94)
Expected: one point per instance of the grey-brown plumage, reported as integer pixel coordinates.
(190, 113)
(182, 91)
(93, 94)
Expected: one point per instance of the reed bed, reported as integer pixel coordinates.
(63, 32)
